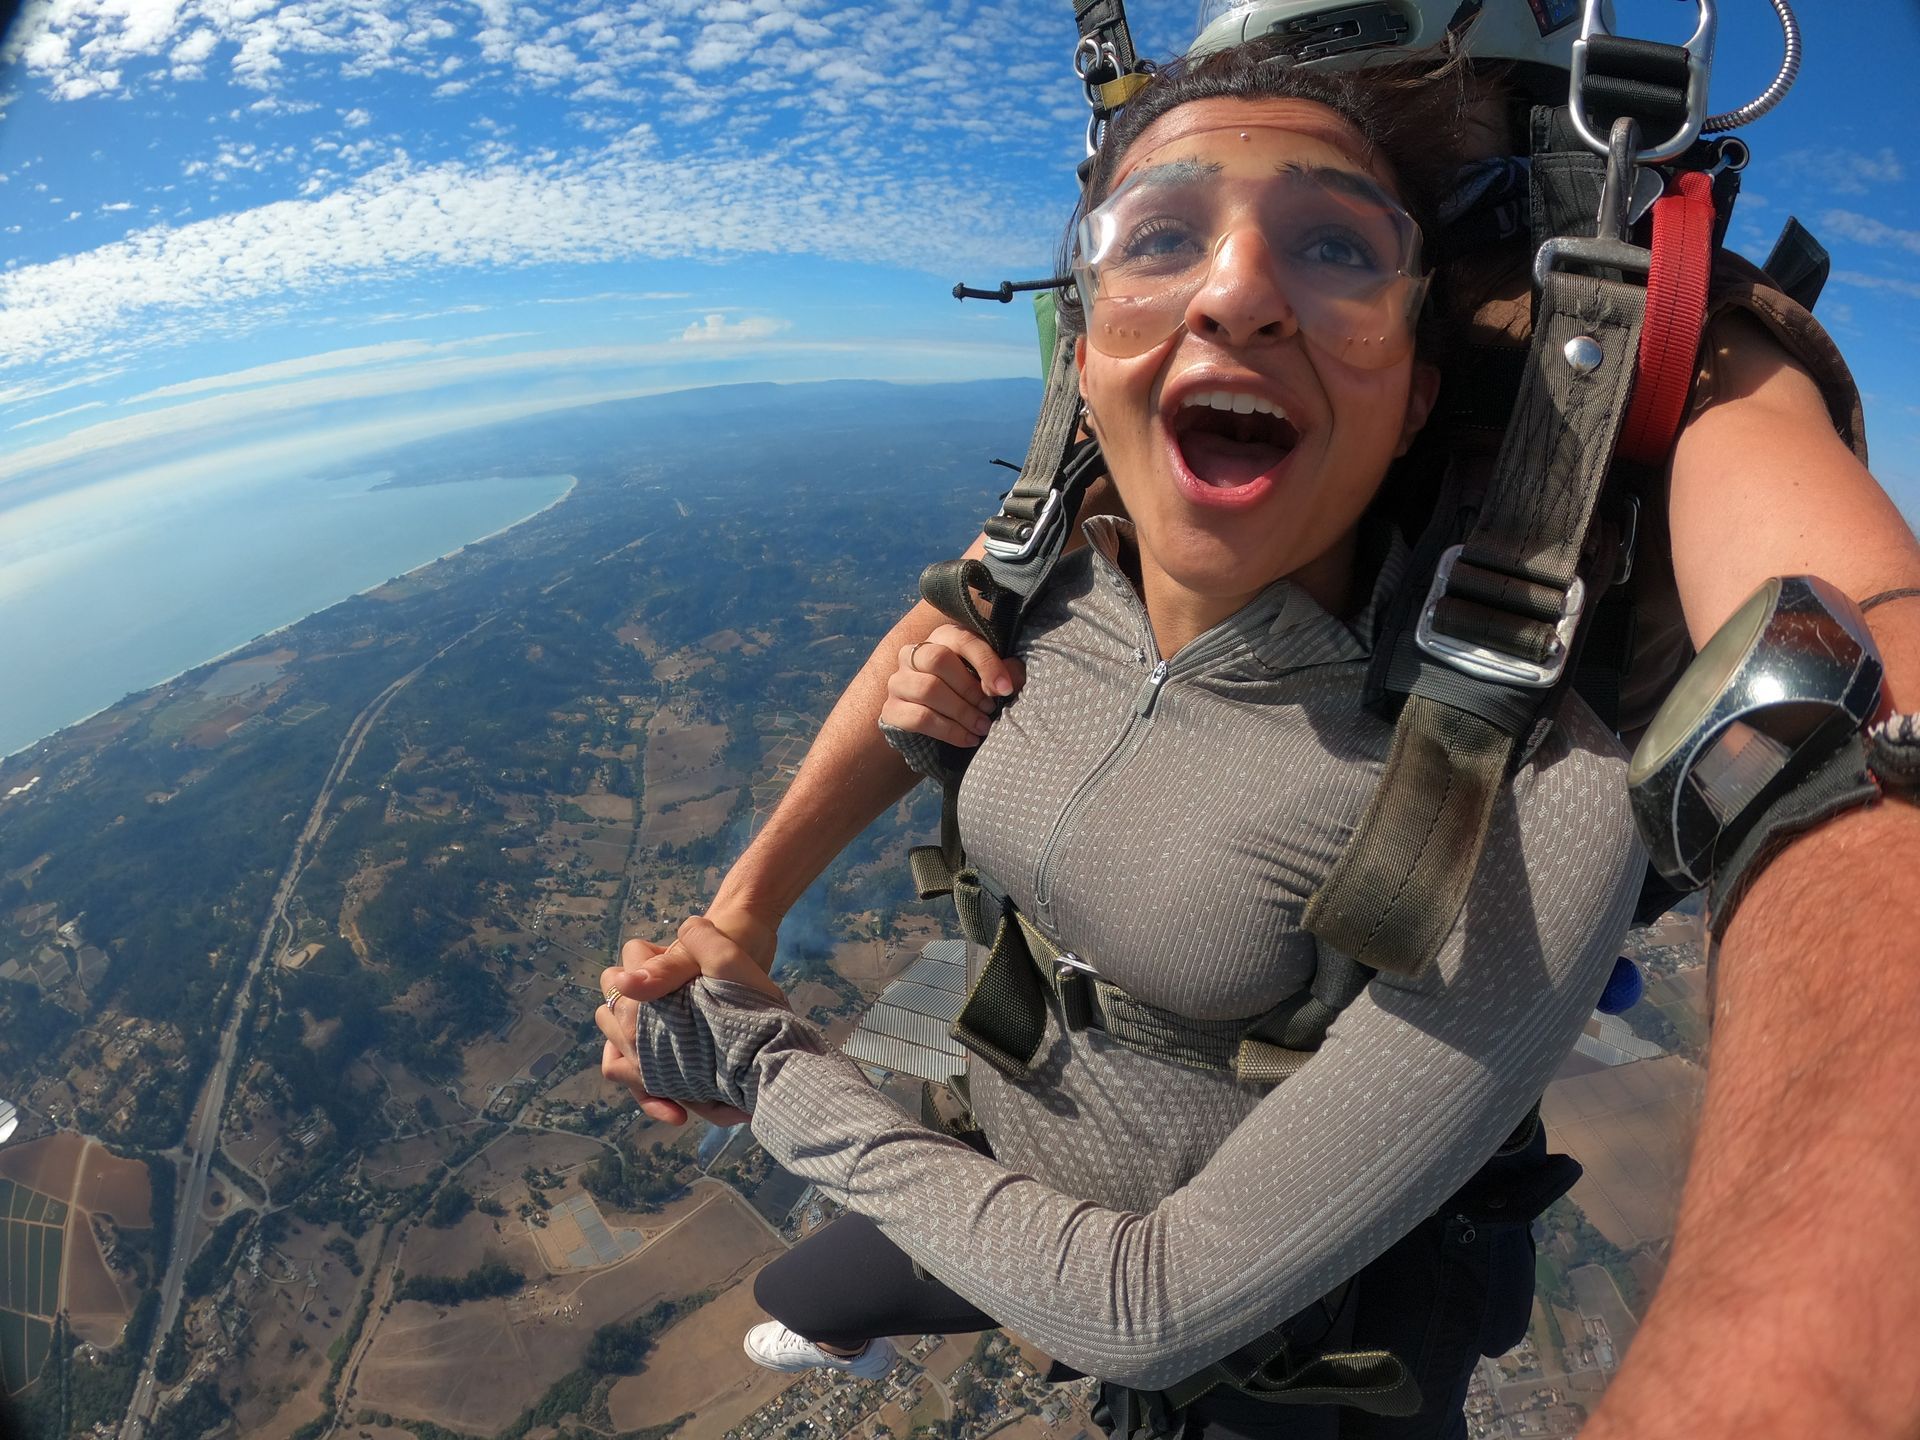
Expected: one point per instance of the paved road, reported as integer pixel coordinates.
(204, 1129)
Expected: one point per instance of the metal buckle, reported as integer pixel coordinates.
(1073, 981)
(1066, 960)
(1044, 524)
(1699, 70)
(1487, 664)
(1561, 250)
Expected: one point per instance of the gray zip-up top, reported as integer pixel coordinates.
(1167, 820)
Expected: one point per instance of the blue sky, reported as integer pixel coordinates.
(235, 234)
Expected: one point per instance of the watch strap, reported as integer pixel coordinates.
(1893, 752)
(1840, 783)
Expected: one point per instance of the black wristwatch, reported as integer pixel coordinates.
(1769, 732)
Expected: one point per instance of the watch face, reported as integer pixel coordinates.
(1776, 692)
(1694, 696)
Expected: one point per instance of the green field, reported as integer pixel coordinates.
(24, 1343)
(53, 1245)
(14, 1293)
(33, 1243)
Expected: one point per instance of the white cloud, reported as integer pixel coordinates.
(1866, 230)
(1846, 172)
(58, 414)
(240, 416)
(606, 296)
(225, 273)
(358, 357)
(1909, 288)
(355, 118)
(835, 149)
(717, 328)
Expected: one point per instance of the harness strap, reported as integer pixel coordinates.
(1024, 541)
(1375, 1381)
(1683, 226)
(1393, 894)
(1004, 1018)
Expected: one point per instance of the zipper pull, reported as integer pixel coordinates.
(1150, 691)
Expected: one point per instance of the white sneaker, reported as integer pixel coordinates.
(778, 1348)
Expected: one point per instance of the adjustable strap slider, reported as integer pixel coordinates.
(1010, 538)
(1475, 655)
(1073, 981)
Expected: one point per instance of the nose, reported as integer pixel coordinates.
(1242, 298)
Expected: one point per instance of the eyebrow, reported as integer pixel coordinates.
(1347, 182)
(1176, 172)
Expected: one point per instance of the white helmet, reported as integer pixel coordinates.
(1539, 32)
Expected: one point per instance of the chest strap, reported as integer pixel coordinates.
(1004, 1017)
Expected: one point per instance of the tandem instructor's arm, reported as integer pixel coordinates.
(1793, 1294)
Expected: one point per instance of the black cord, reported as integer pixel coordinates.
(1906, 592)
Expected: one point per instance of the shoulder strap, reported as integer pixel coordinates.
(1024, 541)
(1481, 659)
(1499, 624)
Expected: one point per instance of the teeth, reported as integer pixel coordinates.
(1237, 403)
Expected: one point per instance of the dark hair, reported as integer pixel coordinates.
(1413, 115)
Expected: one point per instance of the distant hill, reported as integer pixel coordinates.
(716, 417)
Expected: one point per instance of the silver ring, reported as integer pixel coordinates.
(613, 998)
(913, 657)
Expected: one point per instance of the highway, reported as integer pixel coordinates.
(203, 1131)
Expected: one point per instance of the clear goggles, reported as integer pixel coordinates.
(1344, 255)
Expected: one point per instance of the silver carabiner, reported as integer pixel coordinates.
(1699, 72)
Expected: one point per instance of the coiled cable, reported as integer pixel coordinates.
(1774, 93)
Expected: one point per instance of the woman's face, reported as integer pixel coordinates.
(1225, 503)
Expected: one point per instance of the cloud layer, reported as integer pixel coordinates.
(664, 129)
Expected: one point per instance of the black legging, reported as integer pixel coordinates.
(849, 1283)
(1458, 1286)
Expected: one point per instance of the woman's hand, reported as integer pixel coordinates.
(946, 687)
(648, 971)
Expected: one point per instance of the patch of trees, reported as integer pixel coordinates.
(346, 1252)
(170, 1365)
(100, 1392)
(1586, 1245)
(196, 1412)
(424, 907)
(645, 1181)
(621, 1348)
(488, 1279)
(30, 1028)
(313, 1075)
(454, 1201)
(215, 1260)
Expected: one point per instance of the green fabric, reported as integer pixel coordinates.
(1046, 319)
(1005, 1017)
(1398, 885)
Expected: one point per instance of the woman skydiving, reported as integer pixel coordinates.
(1178, 774)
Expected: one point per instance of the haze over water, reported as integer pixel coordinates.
(101, 601)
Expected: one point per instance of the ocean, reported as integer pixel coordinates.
(101, 597)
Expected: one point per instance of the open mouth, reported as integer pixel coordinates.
(1228, 439)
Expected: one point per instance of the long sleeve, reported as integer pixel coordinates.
(1417, 1083)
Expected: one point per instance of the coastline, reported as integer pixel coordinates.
(573, 483)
